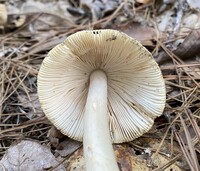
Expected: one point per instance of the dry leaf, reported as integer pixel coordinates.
(76, 161)
(194, 4)
(187, 50)
(29, 155)
(142, 33)
(54, 134)
(52, 7)
(127, 159)
(45, 15)
(67, 147)
(160, 160)
(165, 23)
(190, 22)
(30, 103)
(190, 46)
(98, 8)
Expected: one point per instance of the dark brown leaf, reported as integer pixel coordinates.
(189, 49)
(67, 147)
(142, 33)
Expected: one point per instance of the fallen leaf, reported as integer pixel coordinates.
(30, 103)
(127, 160)
(76, 161)
(165, 23)
(190, 46)
(98, 8)
(163, 157)
(187, 50)
(41, 15)
(67, 147)
(160, 161)
(190, 22)
(194, 4)
(54, 134)
(55, 8)
(29, 155)
(142, 33)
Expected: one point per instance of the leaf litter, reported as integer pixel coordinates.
(169, 29)
(29, 155)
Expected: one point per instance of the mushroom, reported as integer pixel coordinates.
(101, 87)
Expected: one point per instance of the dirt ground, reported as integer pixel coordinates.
(169, 29)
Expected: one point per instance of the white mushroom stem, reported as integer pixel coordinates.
(98, 150)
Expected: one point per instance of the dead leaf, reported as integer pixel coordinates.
(190, 22)
(29, 155)
(160, 161)
(30, 103)
(194, 4)
(38, 15)
(41, 46)
(67, 147)
(187, 50)
(163, 157)
(52, 7)
(127, 159)
(165, 21)
(76, 161)
(190, 46)
(142, 33)
(47, 21)
(54, 134)
(98, 8)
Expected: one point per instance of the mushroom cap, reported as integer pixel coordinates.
(136, 89)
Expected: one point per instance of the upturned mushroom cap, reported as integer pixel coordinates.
(136, 89)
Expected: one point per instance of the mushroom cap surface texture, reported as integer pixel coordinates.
(136, 89)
